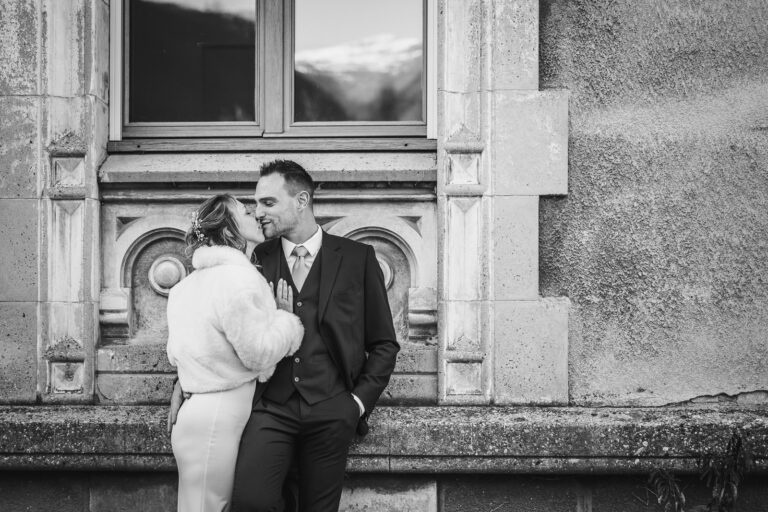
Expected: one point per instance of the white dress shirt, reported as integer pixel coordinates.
(312, 245)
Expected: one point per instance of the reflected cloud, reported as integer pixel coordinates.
(241, 8)
(383, 53)
(377, 78)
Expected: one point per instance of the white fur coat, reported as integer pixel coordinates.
(224, 328)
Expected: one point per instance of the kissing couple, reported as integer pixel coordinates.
(282, 349)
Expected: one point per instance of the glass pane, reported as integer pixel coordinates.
(358, 60)
(192, 60)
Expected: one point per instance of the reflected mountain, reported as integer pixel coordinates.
(376, 79)
(193, 65)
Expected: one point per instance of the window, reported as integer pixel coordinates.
(271, 68)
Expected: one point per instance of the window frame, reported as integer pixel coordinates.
(273, 117)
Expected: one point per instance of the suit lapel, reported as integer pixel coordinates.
(270, 265)
(329, 268)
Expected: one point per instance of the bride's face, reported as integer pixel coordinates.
(247, 224)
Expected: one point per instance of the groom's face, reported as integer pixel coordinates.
(276, 209)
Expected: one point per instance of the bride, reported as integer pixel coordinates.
(225, 333)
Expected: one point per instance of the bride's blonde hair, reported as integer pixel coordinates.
(214, 223)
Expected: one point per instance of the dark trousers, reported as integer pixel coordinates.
(314, 437)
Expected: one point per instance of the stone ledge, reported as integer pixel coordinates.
(411, 439)
(244, 167)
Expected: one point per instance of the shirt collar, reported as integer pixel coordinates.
(312, 244)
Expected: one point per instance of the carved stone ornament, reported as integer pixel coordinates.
(386, 269)
(66, 366)
(165, 272)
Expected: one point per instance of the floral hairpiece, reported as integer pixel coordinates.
(197, 228)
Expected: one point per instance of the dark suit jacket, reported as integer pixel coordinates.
(354, 315)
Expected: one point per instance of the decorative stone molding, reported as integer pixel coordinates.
(67, 177)
(137, 226)
(66, 360)
(73, 138)
(68, 325)
(501, 144)
(165, 272)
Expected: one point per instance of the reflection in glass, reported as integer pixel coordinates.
(358, 60)
(192, 60)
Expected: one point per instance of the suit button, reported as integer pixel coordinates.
(295, 379)
(297, 360)
(298, 304)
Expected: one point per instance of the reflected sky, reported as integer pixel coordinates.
(327, 23)
(358, 60)
(242, 8)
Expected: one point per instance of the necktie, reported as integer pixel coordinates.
(299, 270)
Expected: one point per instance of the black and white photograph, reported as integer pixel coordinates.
(384, 256)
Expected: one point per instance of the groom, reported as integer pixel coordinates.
(318, 398)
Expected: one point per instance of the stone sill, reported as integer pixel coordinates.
(411, 439)
(243, 144)
(166, 168)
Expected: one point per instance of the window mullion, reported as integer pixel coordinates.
(273, 66)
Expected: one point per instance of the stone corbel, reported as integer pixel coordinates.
(116, 314)
(65, 368)
(422, 315)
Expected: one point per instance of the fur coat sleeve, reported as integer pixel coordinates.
(260, 333)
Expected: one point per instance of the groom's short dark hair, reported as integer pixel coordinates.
(295, 176)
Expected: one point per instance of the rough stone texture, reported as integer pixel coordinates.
(18, 352)
(531, 352)
(98, 45)
(509, 494)
(18, 252)
(127, 388)
(43, 491)
(515, 49)
(611, 493)
(429, 440)
(462, 36)
(661, 242)
(516, 248)
(389, 494)
(410, 389)
(67, 64)
(18, 147)
(134, 358)
(147, 492)
(124, 491)
(530, 142)
(19, 20)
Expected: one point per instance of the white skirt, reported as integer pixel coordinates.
(205, 442)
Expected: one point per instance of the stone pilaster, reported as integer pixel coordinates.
(73, 128)
(502, 143)
(463, 206)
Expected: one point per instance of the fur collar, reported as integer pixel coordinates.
(210, 256)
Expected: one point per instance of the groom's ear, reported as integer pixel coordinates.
(303, 199)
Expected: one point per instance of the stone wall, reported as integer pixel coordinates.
(20, 148)
(156, 492)
(53, 130)
(661, 241)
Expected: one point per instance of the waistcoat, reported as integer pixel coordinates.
(310, 371)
